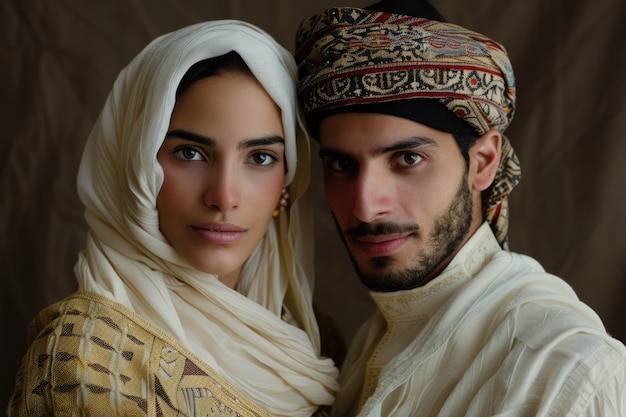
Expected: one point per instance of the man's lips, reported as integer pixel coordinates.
(379, 245)
(220, 233)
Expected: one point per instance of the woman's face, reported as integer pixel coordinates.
(223, 160)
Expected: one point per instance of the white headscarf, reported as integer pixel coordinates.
(127, 258)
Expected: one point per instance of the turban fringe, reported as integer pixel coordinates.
(353, 57)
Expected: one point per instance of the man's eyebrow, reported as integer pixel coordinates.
(331, 153)
(194, 137)
(204, 140)
(413, 142)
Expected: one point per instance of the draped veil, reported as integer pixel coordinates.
(249, 335)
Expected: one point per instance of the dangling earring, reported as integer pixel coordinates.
(282, 203)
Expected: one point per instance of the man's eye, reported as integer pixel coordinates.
(341, 165)
(262, 159)
(408, 159)
(188, 153)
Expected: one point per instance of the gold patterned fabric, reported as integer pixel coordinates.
(351, 57)
(92, 356)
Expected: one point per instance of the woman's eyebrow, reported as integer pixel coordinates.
(207, 141)
(263, 141)
(194, 137)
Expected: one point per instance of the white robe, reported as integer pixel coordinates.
(493, 335)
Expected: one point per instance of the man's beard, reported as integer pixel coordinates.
(449, 232)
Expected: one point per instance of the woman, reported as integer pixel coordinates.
(195, 283)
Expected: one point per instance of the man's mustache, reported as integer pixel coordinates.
(381, 228)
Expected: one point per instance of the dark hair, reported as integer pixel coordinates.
(465, 143)
(230, 61)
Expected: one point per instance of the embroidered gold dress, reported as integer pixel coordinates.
(92, 356)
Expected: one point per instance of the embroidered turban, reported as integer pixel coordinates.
(411, 64)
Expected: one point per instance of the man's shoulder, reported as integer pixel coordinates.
(540, 308)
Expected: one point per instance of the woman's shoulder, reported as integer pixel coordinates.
(73, 306)
(82, 346)
(92, 353)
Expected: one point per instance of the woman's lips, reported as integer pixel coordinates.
(219, 233)
(379, 245)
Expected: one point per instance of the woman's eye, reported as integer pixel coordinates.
(262, 158)
(408, 159)
(188, 153)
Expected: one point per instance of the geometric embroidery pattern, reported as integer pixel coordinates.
(92, 356)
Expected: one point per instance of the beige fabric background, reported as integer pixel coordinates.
(58, 60)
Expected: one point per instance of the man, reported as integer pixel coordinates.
(410, 112)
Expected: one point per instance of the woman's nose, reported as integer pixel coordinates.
(223, 189)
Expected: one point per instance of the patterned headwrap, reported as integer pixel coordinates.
(433, 72)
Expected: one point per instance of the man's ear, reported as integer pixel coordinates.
(485, 158)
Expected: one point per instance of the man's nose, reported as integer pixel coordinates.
(373, 196)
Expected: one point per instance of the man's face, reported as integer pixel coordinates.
(399, 193)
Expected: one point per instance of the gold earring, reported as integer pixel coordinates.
(282, 203)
